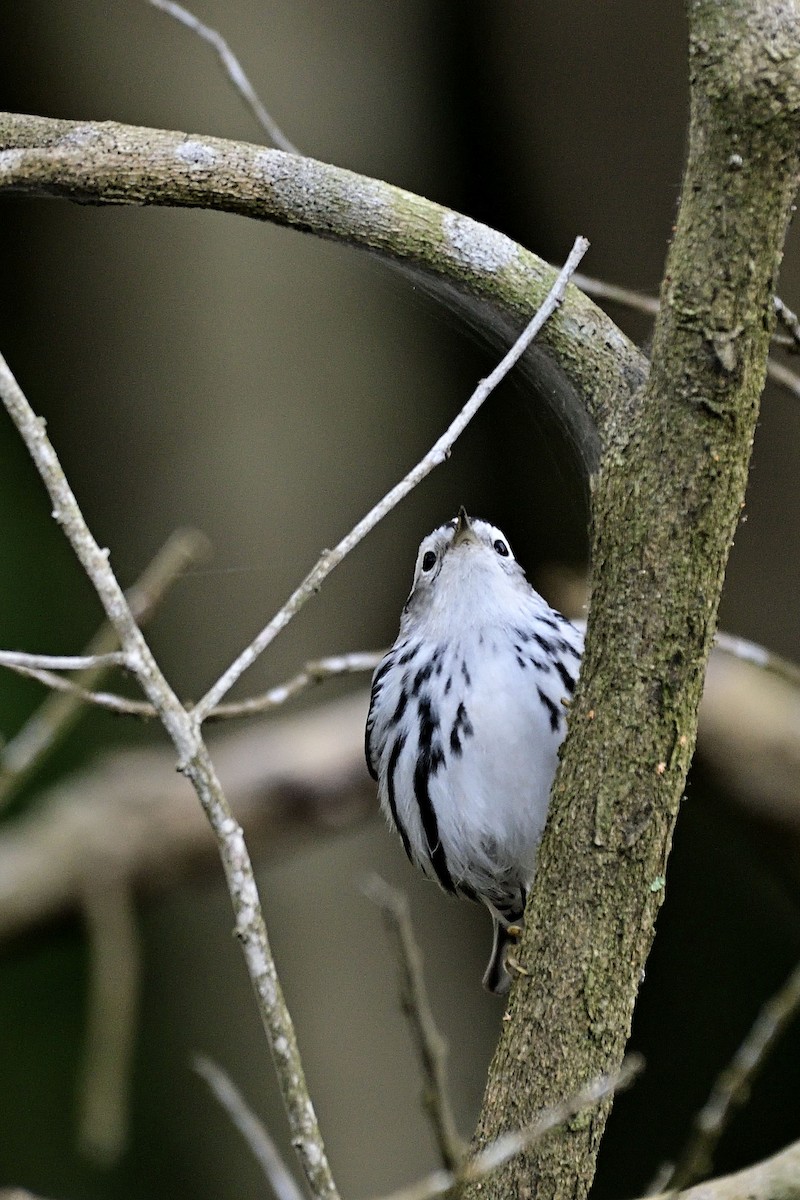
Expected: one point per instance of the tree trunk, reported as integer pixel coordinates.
(666, 506)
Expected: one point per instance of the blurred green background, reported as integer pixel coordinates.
(268, 388)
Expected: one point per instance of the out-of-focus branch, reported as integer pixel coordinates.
(252, 1129)
(732, 1088)
(289, 781)
(431, 1046)
(509, 1145)
(113, 1009)
(294, 779)
(27, 751)
(598, 289)
(776, 1178)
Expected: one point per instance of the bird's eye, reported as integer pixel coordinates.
(428, 560)
(501, 548)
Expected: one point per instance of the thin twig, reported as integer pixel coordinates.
(751, 652)
(61, 662)
(784, 377)
(789, 320)
(331, 667)
(252, 1129)
(430, 1045)
(68, 687)
(113, 1007)
(194, 761)
(438, 453)
(627, 298)
(47, 727)
(232, 68)
(509, 1145)
(314, 671)
(732, 1088)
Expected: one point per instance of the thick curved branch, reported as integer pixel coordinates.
(583, 366)
(666, 506)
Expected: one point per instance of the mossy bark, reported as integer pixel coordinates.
(666, 506)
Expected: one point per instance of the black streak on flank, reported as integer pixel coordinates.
(552, 708)
(429, 758)
(390, 773)
(465, 673)
(422, 676)
(543, 642)
(567, 648)
(401, 706)
(382, 669)
(462, 726)
(566, 678)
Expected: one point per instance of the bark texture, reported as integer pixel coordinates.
(666, 506)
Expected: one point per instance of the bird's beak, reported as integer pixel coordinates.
(464, 533)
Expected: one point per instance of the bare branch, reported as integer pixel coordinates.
(232, 68)
(732, 1088)
(252, 1129)
(195, 763)
(786, 378)
(752, 652)
(51, 722)
(430, 1045)
(438, 453)
(626, 297)
(61, 662)
(648, 305)
(290, 781)
(789, 320)
(315, 671)
(79, 695)
(584, 369)
(776, 1178)
(509, 1145)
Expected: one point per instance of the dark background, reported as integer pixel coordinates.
(201, 369)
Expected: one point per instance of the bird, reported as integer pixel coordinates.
(467, 712)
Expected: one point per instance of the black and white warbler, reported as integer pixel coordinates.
(466, 717)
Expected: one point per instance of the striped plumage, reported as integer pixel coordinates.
(466, 717)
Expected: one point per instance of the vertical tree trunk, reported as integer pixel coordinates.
(666, 506)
